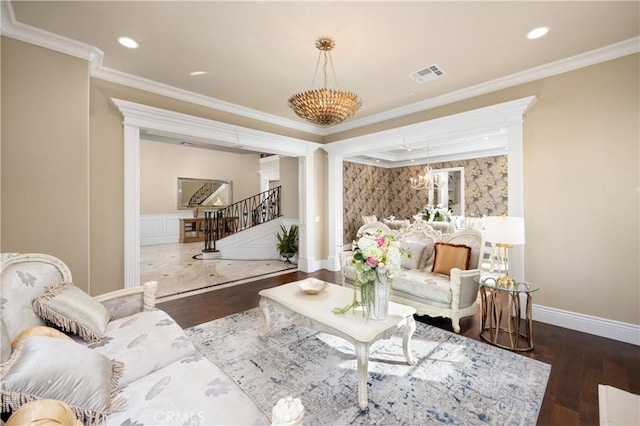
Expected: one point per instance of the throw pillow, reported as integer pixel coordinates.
(450, 256)
(38, 330)
(5, 344)
(44, 412)
(73, 310)
(426, 262)
(48, 368)
(411, 253)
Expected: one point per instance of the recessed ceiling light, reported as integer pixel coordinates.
(128, 42)
(198, 73)
(537, 33)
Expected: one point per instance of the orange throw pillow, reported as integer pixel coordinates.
(450, 256)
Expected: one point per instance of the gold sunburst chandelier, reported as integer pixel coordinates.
(325, 107)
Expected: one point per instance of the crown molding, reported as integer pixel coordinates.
(136, 82)
(607, 53)
(452, 127)
(11, 28)
(28, 34)
(163, 122)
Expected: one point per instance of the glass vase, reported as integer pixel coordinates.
(379, 308)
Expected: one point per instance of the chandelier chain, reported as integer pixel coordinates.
(324, 106)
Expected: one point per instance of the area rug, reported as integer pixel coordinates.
(456, 380)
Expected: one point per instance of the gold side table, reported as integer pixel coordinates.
(502, 321)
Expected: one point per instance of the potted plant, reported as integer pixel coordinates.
(288, 242)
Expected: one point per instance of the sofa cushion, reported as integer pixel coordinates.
(424, 285)
(190, 391)
(71, 309)
(449, 256)
(43, 367)
(426, 261)
(144, 342)
(124, 306)
(411, 253)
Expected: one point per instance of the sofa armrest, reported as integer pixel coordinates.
(125, 302)
(345, 256)
(464, 288)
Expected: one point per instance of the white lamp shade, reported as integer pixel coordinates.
(504, 230)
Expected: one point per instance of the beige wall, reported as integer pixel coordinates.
(581, 180)
(581, 172)
(162, 163)
(289, 183)
(581, 158)
(45, 148)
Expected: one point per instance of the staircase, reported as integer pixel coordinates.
(202, 194)
(241, 216)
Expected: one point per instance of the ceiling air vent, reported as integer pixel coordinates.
(429, 73)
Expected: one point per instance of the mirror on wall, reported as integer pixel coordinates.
(205, 193)
(450, 189)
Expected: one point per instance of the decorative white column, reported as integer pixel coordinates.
(335, 207)
(131, 205)
(306, 209)
(515, 182)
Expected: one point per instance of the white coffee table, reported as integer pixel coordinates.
(315, 311)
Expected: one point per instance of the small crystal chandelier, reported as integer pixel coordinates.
(325, 107)
(427, 181)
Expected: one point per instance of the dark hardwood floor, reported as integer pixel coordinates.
(579, 361)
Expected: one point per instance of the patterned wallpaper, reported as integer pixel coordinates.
(370, 190)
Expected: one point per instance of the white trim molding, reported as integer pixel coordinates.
(607, 53)
(138, 117)
(507, 115)
(14, 29)
(610, 329)
(28, 34)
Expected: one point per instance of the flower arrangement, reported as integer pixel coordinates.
(374, 252)
(439, 213)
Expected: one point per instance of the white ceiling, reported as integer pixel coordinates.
(258, 53)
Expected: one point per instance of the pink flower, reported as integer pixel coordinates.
(380, 240)
(372, 262)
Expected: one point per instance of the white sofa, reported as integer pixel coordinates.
(434, 294)
(164, 380)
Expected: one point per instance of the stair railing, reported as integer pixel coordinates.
(201, 194)
(244, 214)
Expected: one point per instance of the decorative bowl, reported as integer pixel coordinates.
(312, 286)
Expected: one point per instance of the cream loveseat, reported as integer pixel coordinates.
(452, 293)
(144, 370)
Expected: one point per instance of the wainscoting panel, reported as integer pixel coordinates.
(160, 229)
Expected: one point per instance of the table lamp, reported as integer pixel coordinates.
(505, 232)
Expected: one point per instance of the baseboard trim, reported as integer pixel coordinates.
(616, 330)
